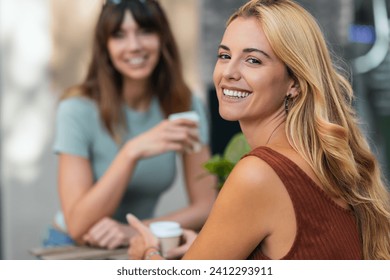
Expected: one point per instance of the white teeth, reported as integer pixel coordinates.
(235, 93)
(136, 60)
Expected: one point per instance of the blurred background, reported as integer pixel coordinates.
(44, 48)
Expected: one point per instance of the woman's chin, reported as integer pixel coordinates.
(228, 116)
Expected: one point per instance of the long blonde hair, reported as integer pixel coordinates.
(321, 124)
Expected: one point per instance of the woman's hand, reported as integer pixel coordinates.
(108, 233)
(137, 248)
(141, 241)
(178, 135)
(187, 239)
(145, 239)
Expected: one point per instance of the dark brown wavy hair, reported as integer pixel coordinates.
(103, 82)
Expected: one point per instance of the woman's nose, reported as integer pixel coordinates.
(232, 71)
(133, 42)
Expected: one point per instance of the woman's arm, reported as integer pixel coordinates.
(241, 216)
(200, 189)
(85, 203)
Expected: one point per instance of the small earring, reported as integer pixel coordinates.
(286, 101)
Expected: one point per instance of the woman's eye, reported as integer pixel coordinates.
(118, 34)
(145, 31)
(253, 60)
(223, 56)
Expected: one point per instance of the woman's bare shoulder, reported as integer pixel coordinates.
(255, 177)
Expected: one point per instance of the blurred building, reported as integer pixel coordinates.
(369, 53)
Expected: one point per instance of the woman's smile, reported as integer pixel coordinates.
(235, 94)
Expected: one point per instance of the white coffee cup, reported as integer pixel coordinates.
(168, 234)
(192, 116)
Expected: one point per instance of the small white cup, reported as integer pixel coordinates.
(192, 116)
(189, 115)
(168, 234)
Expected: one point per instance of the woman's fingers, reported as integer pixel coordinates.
(177, 131)
(137, 248)
(137, 224)
(188, 238)
(178, 135)
(149, 239)
(107, 233)
(184, 136)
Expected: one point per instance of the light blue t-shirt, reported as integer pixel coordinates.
(79, 131)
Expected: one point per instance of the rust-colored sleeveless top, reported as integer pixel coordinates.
(325, 230)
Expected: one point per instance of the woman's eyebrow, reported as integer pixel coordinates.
(226, 48)
(247, 50)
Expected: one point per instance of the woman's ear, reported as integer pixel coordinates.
(294, 90)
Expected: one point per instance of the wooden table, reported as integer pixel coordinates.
(79, 253)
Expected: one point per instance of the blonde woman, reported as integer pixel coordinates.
(310, 188)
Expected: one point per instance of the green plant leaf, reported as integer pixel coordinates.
(236, 148)
(221, 166)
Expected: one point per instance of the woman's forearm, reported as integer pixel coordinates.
(103, 198)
